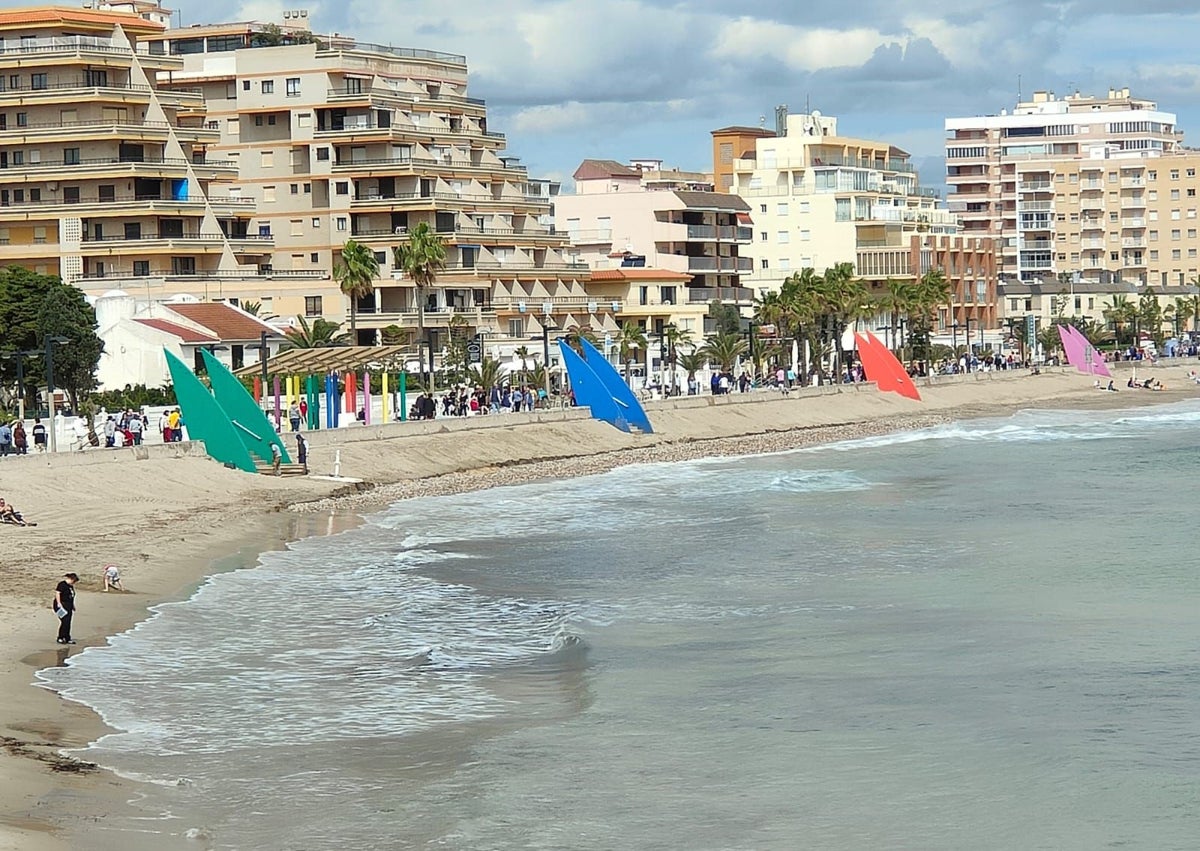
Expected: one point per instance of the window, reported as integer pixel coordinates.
(1176, 254)
(35, 194)
(322, 154)
(805, 235)
(295, 187)
(782, 209)
(316, 222)
(762, 236)
(268, 159)
(1115, 256)
(271, 120)
(95, 77)
(141, 268)
(232, 127)
(1191, 233)
(781, 237)
(70, 156)
(268, 87)
(763, 262)
(245, 85)
(258, 121)
(340, 222)
(1191, 253)
(1191, 172)
(1174, 174)
(70, 194)
(762, 208)
(342, 187)
(803, 206)
(22, 119)
(37, 81)
(1154, 236)
(1175, 235)
(1174, 194)
(726, 153)
(1175, 215)
(516, 327)
(293, 87)
(18, 157)
(1112, 177)
(268, 194)
(784, 264)
(312, 305)
(1152, 195)
(297, 227)
(1152, 175)
(1191, 192)
(183, 265)
(1154, 254)
(314, 258)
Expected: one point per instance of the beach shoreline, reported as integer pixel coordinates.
(169, 541)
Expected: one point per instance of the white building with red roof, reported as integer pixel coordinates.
(135, 333)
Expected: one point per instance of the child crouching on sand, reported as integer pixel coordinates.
(112, 578)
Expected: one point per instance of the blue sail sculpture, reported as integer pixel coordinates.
(597, 386)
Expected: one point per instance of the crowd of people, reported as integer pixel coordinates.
(14, 440)
(467, 401)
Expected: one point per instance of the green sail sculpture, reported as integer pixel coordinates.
(206, 420)
(250, 423)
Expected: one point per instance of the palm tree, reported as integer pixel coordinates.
(1179, 312)
(693, 362)
(319, 334)
(355, 274)
(1120, 313)
(674, 337)
(897, 299)
(421, 258)
(252, 307)
(580, 332)
(486, 374)
(1194, 301)
(1150, 312)
(630, 338)
(523, 353)
(724, 349)
(846, 302)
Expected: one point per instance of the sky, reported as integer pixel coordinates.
(624, 79)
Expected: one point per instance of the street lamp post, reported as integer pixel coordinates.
(954, 337)
(546, 324)
(50, 343)
(970, 350)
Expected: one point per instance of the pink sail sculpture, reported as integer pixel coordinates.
(1080, 353)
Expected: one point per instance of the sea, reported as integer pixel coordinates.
(980, 635)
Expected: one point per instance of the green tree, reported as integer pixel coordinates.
(319, 334)
(486, 374)
(254, 308)
(355, 274)
(693, 362)
(66, 315)
(576, 333)
(724, 350)
(421, 257)
(895, 303)
(1150, 314)
(1121, 314)
(726, 318)
(630, 339)
(394, 335)
(674, 337)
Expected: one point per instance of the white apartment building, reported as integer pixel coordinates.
(1076, 185)
(817, 198)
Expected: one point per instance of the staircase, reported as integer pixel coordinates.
(284, 469)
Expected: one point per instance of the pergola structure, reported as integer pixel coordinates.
(328, 359)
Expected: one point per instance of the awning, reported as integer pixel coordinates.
(744, 219)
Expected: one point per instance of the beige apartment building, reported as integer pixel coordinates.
(1102, 187)
(338, 139)
(818, 199)
(615, 221)
(105, 176)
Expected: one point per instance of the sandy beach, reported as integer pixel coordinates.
(169, 517)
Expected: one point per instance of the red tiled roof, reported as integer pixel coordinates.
(67, 16)
(222, 320)
(187, 335)
(637, 273)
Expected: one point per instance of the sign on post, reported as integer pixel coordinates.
(475, 349)
(1031, 331)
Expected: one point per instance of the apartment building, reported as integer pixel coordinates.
(105, 174)
(817, 198)
(614, 221)
(733, 143)
(338, 139)
(1100, 186)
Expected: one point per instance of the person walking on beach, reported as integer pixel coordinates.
(276, 458)
(294, 416)
(5, 439)
(39, 435)
(20, 441)
(302, 451)
(64, 607)
(135, 429)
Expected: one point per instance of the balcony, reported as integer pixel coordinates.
(1036, 186)
(1132, 182)
(557, 304)
(1097, 244)
(703, 295)
(423, 165)
(187, 242)
(111, 275)
(141, 166)
(1092, 224)
(1091, 203)
(1136, 222)
(1133, 242)
(1134, 202)
(1133, 261)
(728, 264)
(594, 236)
(120, 205)
(437, 317)
(1035, 206)
(1035, 244)
(1091, 185)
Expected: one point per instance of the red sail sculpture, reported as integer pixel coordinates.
(882, 367)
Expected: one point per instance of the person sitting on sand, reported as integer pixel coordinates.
(1131, 382)
(10, 515)
(112, 578)
(1112, 388)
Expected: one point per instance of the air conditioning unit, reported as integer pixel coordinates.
(374, 197)
(401, 230)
